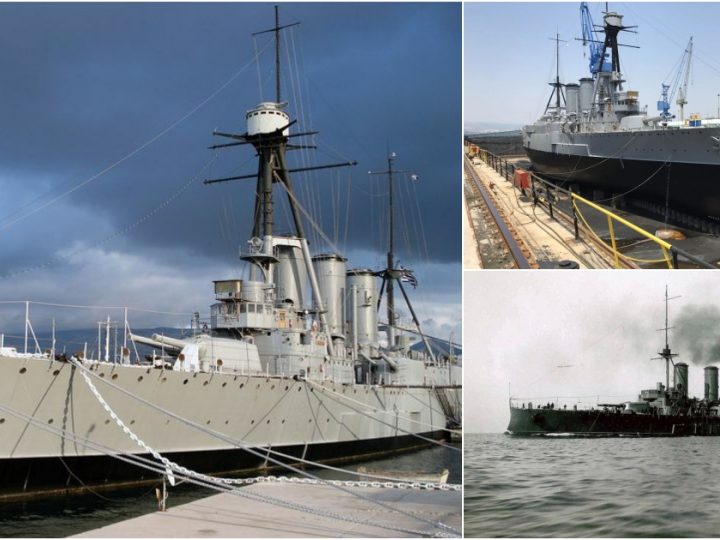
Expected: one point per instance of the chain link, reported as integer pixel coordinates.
(172, 466)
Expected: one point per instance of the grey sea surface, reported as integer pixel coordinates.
(57, 518)
(607, 487)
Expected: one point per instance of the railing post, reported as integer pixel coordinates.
(612, 240)
(675, 262)
(574, 213)
(548, 191)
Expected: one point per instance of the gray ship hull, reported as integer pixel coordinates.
(322, 421)
(683, 164)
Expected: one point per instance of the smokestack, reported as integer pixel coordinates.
(711, 383)
(680, 378)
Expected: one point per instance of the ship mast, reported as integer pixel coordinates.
(557, 85)
(391, 275)
(268, 131)
(666, 353)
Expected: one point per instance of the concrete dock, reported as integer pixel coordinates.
(226, 515)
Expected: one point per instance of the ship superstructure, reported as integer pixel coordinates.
(292, 360)
(596, 133)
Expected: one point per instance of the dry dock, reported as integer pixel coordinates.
(226, 515)
(517, 215)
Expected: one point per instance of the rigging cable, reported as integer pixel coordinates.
(209, 482)
(132, 153)
(174, 466)
(120, 232)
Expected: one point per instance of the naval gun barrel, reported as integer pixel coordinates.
(158, 341)
(169, 342)
(149, 341)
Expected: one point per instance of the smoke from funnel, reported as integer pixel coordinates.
(697, 334)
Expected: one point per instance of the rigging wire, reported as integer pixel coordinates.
(210, 482)
(137, 150)
(118, 233)
(265, 454)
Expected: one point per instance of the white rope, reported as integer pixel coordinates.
(170, 465)
(147, 464)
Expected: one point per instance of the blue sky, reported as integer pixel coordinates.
(509, 58)
(84, 85)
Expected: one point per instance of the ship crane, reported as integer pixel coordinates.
(591, 41)
(683, 73)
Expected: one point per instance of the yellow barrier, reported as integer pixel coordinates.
(664, 246)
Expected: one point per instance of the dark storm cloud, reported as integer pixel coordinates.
(84, 84)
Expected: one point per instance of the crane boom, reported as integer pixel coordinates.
(591, 41)
(669, 91)
(682, 91)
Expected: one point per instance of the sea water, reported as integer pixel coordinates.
(608, 487)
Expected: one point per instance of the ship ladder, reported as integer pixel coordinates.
(447, 409)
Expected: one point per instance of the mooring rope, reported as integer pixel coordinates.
(170, 465)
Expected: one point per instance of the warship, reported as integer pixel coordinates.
(595, 134)
(662, 411)
(291, 367)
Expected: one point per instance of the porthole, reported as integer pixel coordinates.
(268, 421)
(23, 370)
(208, 422)
(224, 384)
(115, 375)
(283, 421)
(50, 421)
(102, 375)
(2, 420)
(258, 386)
(56, 372)
(252, 421)
(242, 384)
(107, 422)
(286, 387)
(140, 378)
(227, 421)
(132, 422)
(185, 381)
(272, 387)
(205, 383)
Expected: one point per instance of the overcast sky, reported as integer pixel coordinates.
(509, 63)
(86, 85)
(601, 326)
